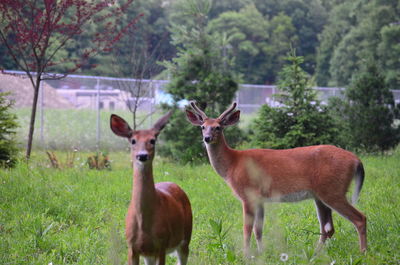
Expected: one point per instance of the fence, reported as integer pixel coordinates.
(79, 119)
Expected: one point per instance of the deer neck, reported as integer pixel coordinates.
(220, 156)
(144, 197)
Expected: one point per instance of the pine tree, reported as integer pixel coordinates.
(200, 72)
(8, 125)
(371, 112)
(301, 120)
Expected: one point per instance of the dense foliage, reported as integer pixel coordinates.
(8, 125)
(258, 34)
(367, 113)
(300, 120)
(357, 30)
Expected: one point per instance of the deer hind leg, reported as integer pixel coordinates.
(325, 220)
(344, 208)
(161, 259)
(248, 222)
(183, 254)
(133, 258)
(258, 226)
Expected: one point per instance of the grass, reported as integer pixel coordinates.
(76, 216)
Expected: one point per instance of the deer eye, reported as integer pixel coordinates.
(133, 141)
(202, 127)
(218, 128)
(153, 141)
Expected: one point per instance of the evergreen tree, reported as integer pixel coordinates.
(200, 72)
(301, 120)
(370, 112)
(8, 125)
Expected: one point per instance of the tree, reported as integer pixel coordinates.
(34, 32)
(339, 23)
(200, 72)
(8, 125)
(136, 56)
(301, 120)
(358, 30)
(308, 18)
(370, 112)
(247, 37)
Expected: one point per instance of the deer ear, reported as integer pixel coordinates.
(231, 119)
(119, 126)
(160, 124)
(193, 118)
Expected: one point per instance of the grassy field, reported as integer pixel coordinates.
(76, 216)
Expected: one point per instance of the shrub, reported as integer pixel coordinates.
(8, 125)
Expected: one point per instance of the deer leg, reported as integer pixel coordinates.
(325, 221)
(248, 222)
(133, 258)
(344, 208)
(161, 258)
(183, 254)
(150, 260)
(258, 226)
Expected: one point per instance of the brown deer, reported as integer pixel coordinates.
(321, 172)
(159, 218)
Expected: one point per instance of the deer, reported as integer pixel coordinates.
(159, 219)
(256, 176)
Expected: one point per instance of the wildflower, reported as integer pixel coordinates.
(333, 262)
(284, 257)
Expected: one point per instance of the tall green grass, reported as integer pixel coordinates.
(76, 216)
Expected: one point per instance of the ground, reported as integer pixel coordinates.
(76, 216)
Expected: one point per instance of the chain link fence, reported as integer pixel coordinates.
(73, 112)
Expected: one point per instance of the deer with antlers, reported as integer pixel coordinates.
(321, 172)
(159, 218)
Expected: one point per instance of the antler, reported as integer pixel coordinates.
(198, 110)
(227, 112)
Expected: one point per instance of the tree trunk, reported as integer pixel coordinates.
(33, 116)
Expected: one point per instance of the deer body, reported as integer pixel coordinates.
(275, 174)
(159, 218)
(322, 172)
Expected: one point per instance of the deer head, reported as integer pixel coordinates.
(142, 141)
(212, 128)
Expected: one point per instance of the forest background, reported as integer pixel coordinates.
(334, 37)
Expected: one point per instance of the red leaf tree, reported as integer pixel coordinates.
(33, 31)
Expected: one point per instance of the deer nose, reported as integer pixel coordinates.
(207, 139)
(142, 157)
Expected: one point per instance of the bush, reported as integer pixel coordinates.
(300, 121)
(8, 125)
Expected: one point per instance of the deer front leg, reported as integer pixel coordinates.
(133, 258)
(248, 222)
(258, 226)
